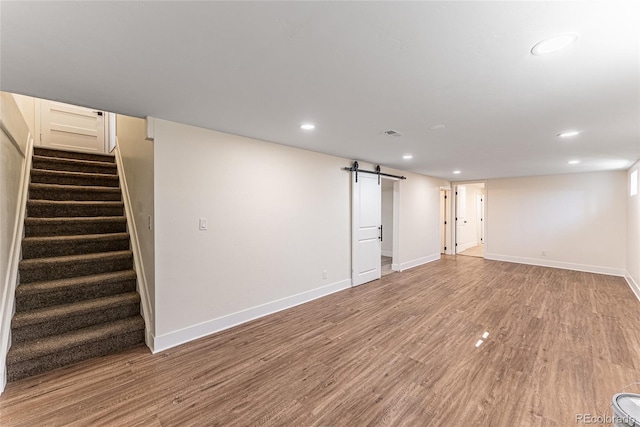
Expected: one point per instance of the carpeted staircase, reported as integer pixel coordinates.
(76, 298)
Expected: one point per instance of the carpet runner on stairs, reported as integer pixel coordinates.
(76, 298)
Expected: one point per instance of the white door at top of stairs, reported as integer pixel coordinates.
(70, 127)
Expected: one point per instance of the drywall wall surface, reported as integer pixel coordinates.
(277, 218)
(26, 105)
(575, 221)
(277, 225)
(137, 161)
(14, 145)
(419, 239)
(633, 231)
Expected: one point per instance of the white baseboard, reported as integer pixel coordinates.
(557, 264)
(387, 253)
(633, 284)
(416, 262)
(149, 339)
(173, 339)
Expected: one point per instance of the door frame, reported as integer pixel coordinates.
(107, 124)
(395, 244)
(395, 261)
(445, 220)
(480, 211)
(454, 208)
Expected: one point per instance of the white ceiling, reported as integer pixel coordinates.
(354, 69)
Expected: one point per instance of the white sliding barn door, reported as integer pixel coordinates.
(365, 225)
(70, 127)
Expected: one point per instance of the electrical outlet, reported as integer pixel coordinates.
(544, 253)
(203, 224)
(324, 274)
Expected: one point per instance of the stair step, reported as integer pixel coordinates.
(60, 319)
(79, 155)
(73, 192)
(73, 226)
(56, 208)
(34, 357)
(43, 176)
(35, 295)
(38, 247)
(40, 269)
(73, 165)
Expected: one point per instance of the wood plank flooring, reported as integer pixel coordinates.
(398, 351)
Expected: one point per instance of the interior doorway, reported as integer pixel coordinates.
(386, 229)
(70, 127)
(375, 227)
(470, 219)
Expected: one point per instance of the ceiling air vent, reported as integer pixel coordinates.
(392, 132)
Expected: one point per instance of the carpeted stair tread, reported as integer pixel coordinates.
(62, 192)
(54, 152)
(60, 319)
(30, 289)
(62, 291)
(60, 226)
(83, 351)
(34, 247)
(48, 314)
(70, 208)
(38, 269)
(59, 343)
(45, 176)
(73, 165)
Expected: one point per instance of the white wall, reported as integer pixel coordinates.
(387, 217)
(578, 220)
(137, 164)
(26, 105)
(419, 219)
(14, 146)
(277, 217)
(633, 235)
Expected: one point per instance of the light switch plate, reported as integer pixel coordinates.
(203, 224)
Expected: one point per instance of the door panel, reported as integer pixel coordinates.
(366, 220)
(71, 127)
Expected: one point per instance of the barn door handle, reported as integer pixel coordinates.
(380, 237)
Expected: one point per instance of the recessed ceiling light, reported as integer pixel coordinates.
(554, 44)
(307, 126)
(568, 134)
(437, 127)
(574, 162)
(456, 172)
(407, 156)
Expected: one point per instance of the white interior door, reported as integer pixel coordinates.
(365, 225)
(71, 127)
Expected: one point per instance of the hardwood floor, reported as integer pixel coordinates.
(477, 251)
(398, 351)
(386, 265)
